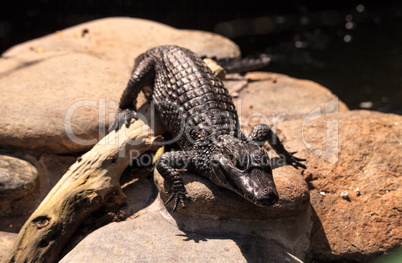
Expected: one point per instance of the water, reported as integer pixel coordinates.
(356, 52)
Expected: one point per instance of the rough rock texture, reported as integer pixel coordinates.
(76, 77)
(154, 236)
(211, 201)
(356, 149)
(49, 168)
(58, 90)
(17, 178)
(6, 242)
(121, 40)
(273, 97)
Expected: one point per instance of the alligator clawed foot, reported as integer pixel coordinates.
(124, 117)
(178, 197)
(295, 161)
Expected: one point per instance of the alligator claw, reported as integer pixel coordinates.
(295, 161)
(128, 114)
(178, 197)
(123, 117)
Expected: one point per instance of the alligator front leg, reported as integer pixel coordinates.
(262, 133)
(141, 76)
(167, 165)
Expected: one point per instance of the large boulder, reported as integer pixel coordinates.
(58, 91)
(354, 175)
(120, 40)
(272, 98)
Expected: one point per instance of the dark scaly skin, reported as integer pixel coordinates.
(197, 109)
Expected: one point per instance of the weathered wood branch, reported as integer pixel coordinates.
(90, 184)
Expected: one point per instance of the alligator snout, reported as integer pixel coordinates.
(267, 197)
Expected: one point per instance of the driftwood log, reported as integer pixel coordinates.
(90, 184)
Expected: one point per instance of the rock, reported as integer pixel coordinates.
(39, 173)
(71, 82)
(137, 184)
(271, 98)
(6, 242)
(75, 95)
(156, 236)
(349, 150)
(120, 40)
(211, 201)
(18, 178)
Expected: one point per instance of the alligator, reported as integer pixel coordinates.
(198, 112)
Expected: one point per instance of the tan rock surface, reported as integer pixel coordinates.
(363, 150)
(272, 96)
(121, 40)
(40, 101)
(6, 242)
(17, 178)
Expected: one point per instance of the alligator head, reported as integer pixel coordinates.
(244, 168)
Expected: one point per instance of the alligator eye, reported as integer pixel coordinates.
(242, 163)
(232, 158)
(229, 155)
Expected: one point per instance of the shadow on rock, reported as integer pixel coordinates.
(137, 184)
(254, 248)
(319, 239)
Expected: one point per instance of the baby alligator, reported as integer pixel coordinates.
(198, 111)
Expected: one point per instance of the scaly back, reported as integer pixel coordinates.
(191, 101)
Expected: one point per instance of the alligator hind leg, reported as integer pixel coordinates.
(262, 133)
(167, 165)
(142, 75)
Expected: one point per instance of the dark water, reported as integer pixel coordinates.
(358, 57)
(352, 47)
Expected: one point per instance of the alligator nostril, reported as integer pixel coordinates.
(268, 197)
